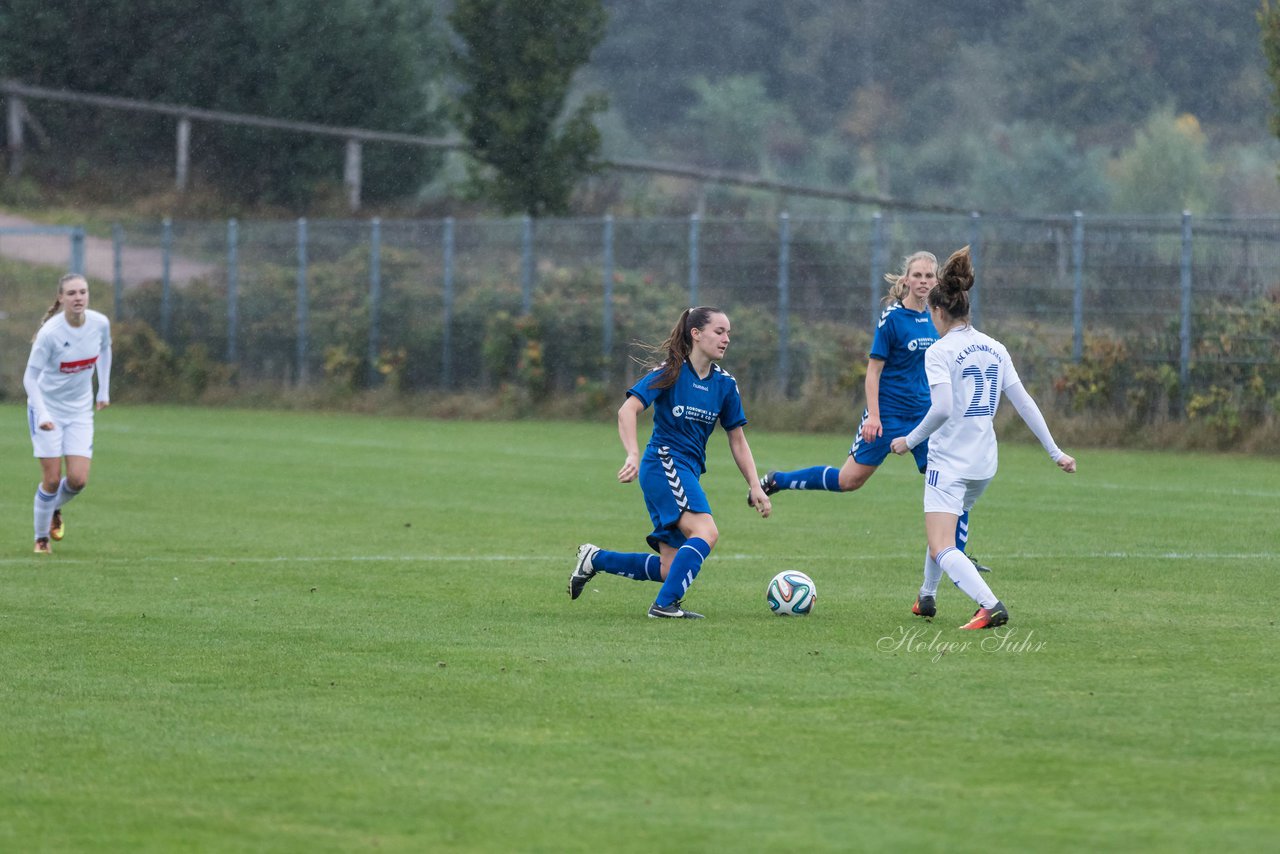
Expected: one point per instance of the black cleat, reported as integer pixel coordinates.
(672, 611)
(769, 484)
(583, 571)
(925, 606)
(977, 565)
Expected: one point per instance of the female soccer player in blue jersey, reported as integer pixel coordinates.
(967, 371)
(897, 396)
(690, 394)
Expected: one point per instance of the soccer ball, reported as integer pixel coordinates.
(791, 593)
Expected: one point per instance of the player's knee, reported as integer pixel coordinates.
(849, 481)
(76, 482)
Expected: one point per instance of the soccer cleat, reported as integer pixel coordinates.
(583, 571)
(42, 546)
(977, 565)
(55, 527)
(769, 484)
(672, 611)
(988, 618)
(925, 606)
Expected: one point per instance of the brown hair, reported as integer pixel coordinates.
(898, 285)
(951, 294)
(57, 301)
(672, 352)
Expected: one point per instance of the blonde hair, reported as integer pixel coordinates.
(898, 285)
(57, 301)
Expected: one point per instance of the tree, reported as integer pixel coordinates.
(363, 63)
(1167, 168)
(1269, 21)
(516, 61)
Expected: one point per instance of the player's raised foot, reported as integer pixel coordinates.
(988, 618)
(55, 527)
(672, 611)
(925, 606)
(978, 566)
(768, 483)
(42, 546)
(583, 571)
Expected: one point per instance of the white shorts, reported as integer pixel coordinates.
(954, 495)
(71, 437)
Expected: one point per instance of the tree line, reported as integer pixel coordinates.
(1028, 105)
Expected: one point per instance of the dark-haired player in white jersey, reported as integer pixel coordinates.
(967, 372)
(690, 394)
(72, 343)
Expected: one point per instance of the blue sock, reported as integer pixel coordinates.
(814, 477)
(684, 569)
(962, 531)
(633, 565)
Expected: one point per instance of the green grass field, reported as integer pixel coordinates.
(295, 632)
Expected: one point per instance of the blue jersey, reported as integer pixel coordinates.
(902, 336)
(685, 414)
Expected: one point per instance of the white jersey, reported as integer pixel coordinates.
(65, 357)
(978, 369)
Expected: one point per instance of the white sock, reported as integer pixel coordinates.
(65, 493)
(932, 575)
(43, 507)
(965, 575)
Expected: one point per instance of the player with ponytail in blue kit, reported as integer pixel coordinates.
(689, 394)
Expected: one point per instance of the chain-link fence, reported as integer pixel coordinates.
(1129, 313)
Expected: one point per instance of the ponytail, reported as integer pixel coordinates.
(675, 350)
(57, 301)
(955, 279)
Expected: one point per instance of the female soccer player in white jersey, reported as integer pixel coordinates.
(967, 371)
(71, 344)
(897, 395)
(690, 394)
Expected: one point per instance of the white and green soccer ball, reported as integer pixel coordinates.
(791, 593)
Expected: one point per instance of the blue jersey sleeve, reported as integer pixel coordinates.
(644, 390)
(732, 414)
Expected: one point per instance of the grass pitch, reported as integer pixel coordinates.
(299, 632)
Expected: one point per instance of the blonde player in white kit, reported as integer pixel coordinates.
(71, 344)
(966, 371)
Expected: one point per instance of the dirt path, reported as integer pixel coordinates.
(137, 264)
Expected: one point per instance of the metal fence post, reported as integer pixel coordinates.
(117, 271)
(526, 266)
(877, 265)
(233, 289)
(183, 165)
(304, 306)
(14, 111)
(77, 250)
(166, 285)
(1077, 304)
(695, 223)
(975, 255)
(1184, 336)
(375, 296)
(607, 319)
(784, 301)
(446, 360)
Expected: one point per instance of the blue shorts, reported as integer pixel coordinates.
(892, 426)
(670, 488)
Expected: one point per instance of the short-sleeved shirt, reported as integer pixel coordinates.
(901, 340)
(66, 357)
(686, 413)
(978, 369)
